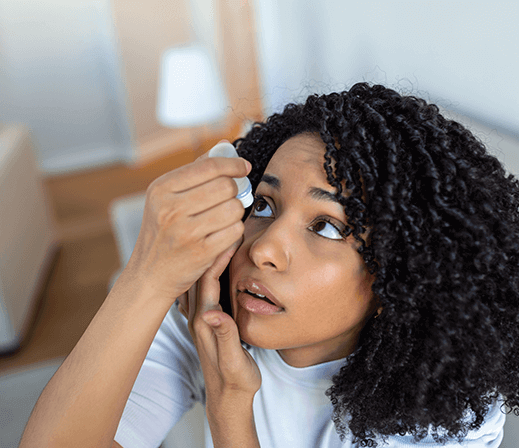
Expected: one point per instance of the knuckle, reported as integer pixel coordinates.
(170, 212)
(207, 249)
(152, 187)
(163, 216)
(225, 335)
(228, 186)
(211, 166)
(236, 208)
(155, 197)
(240, 227)
(166, 216)
(155, 187)
(151, 194)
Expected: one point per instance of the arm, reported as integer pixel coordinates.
(232, 424)
(83, 402)
(190, 217)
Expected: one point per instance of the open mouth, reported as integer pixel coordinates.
(259, 296)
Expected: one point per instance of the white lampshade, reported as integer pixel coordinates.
(191, 92)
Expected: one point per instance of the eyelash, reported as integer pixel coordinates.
(258, 198)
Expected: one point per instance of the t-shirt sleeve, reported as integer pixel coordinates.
(169, 383)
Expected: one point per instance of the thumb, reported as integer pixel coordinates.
(227, 335)
(219, 322)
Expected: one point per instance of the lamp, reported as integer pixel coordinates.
(191, 92)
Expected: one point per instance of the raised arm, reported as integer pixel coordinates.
(190, 217)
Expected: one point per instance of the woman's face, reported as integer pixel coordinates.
(293, 247)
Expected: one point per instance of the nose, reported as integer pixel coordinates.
(270, 248)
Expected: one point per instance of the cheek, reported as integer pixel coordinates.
(328, 279)
(251, 227)
(237, 260)
(337, 286)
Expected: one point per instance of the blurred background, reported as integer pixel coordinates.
(100, 97)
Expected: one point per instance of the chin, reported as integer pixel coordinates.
(255, 336)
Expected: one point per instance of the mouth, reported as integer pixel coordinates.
(257, 304)
(258, 296)
(258, 291)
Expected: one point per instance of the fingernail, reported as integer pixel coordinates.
(248, 165)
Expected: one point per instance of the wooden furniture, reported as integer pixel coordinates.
(28, 236)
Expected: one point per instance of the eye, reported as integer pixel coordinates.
(322, 226)
(326, 229)
(260, 208)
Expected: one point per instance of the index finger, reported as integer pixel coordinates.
(202, 171)
(209, 284)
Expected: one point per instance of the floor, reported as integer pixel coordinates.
(77, 283)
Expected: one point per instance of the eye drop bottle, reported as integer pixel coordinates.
(226, 149)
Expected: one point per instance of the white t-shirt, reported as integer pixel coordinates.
(290, 409)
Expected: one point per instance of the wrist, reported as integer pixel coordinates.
(231, 420)
(134, 286)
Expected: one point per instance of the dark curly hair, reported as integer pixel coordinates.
(444, 247)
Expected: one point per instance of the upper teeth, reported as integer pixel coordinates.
(256, 294)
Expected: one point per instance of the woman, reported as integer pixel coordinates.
(373, 289)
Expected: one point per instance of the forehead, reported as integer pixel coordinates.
(303, 153)
(300, 159)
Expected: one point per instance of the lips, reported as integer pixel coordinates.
(254, 287)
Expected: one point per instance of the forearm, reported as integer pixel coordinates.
(232, 424)
(83, 403)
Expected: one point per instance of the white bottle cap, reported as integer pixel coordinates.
(226, 149)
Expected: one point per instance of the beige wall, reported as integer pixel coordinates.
(236, 34)
(145, 29)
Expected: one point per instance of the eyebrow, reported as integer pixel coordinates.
(315, 193)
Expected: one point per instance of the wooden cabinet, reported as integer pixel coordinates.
(28, 237)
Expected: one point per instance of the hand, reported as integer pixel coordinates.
(191, 215)
(230, 372)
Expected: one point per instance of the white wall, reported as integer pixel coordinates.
(463, 55)
(60, 72)
(61, 77)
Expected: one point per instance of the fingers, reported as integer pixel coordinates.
(191, 216)
(200, 172)
(209, 284)
(222, 356)
(227, 338)
(204, 295)
(223, 260)
(214, 192)
(211, 220)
